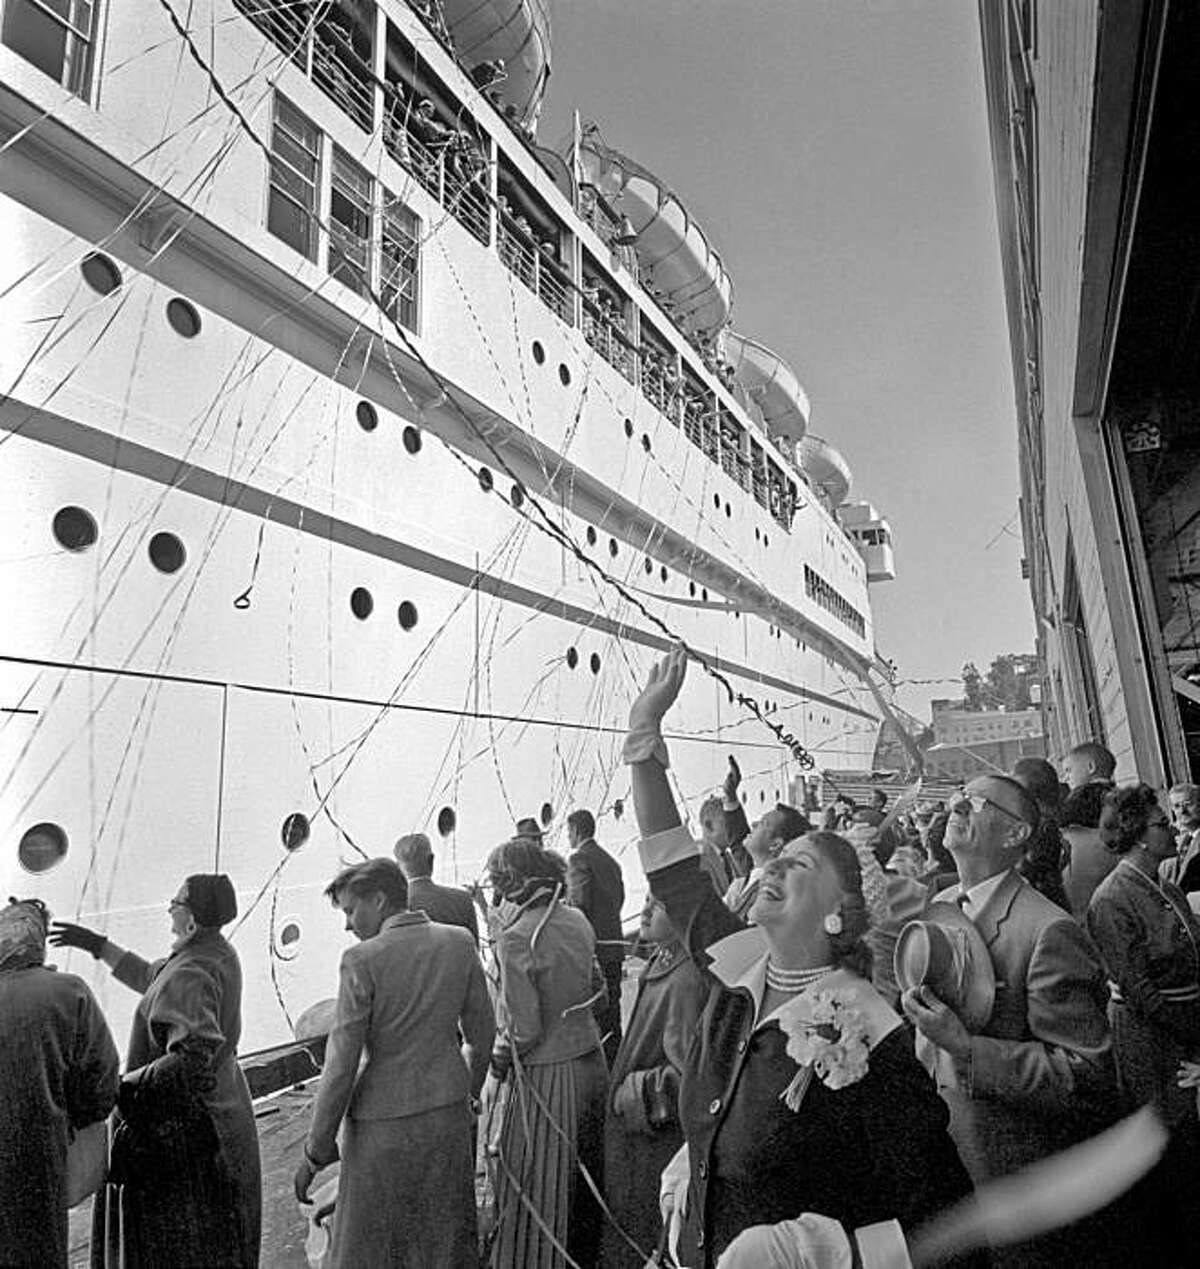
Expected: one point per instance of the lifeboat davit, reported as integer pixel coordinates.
(675, 257)
(771, 383)
(515, 31)
(825, 468)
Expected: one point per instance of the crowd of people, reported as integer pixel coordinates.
(848, 1044)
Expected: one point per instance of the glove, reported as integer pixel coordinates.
(646, 714)
(733, 778)
(64, 934)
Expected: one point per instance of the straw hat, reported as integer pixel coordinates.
(947, 954)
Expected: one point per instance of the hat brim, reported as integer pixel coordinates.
(971, 991)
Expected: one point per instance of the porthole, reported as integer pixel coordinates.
(406, 614)
(692, 589)
(765, 542)
(183, 317)
(361, 603)
(289, 934)
(757, 534)
(411, 438)
(572, 658)
(287, 940)
(517, 496)
(367, 416)
(296, 831)
(594, 662)
(704, 593)
(74, 529)
(612, 547)
(717, 501)
(42, 847)
(618, 808)
(629, 428)
(662, 572)
(728, 509)
(564, 375)
(539, 353)
(547, 814)
(649, 566)
(484, 476)
(646, 442)
(167, 553)
(447, 821)
(591, 536)
(100, 273)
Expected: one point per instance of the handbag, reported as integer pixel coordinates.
(87, 1162)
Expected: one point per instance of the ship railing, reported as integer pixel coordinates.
(517, 251)
(735, 464)
(342, 74)
(453, 174)
(612, 344)
(465, 197)
(711, 444)
(660, 390)
(758, 485)
(693, 422)
(554, 288)
(284, 24)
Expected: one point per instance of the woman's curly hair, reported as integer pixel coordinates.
(850, 950)
(520, 867)
(1125, 815)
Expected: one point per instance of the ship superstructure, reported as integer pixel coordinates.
(358, 456)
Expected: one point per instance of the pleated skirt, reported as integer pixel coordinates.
(554, 1121)
(406, 1193)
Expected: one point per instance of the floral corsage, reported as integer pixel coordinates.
(827, 1036)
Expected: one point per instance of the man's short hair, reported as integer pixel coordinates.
(1040, 778)
(1081, 809)
(1102, 760)
(1186, 789)
(712, 809)
(1027, 804)
(414, 854)
(584, 823)
(792, 823)
(372, 876)
(879, 797)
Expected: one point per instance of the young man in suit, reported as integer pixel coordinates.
(1039, 1075)
(447, 905)
(594, 886)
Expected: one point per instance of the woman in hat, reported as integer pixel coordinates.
(1149, 940)
(58, 1074)
(800, 1092)
(185, 1180)
(548, 1053)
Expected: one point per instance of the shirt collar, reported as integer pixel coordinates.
(397, 919)
(978, 895)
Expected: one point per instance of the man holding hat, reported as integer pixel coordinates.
(1033, 1072)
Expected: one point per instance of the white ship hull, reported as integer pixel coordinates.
(171, 722)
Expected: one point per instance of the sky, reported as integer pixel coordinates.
(836, 151)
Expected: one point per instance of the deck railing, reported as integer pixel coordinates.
(611, 343)
(464, 197)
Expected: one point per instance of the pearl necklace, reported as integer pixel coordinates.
(793, 980)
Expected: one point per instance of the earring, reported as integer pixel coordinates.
(833, 923)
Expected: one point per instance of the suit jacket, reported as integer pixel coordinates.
(594, 886)
(448, 905)
(1040, 1074)
(402, 998)
(1184, 869)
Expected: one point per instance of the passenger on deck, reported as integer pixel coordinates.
(406, 1191)
(185, 1178)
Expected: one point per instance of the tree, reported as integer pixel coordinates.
(973, 687)
(1006, 685)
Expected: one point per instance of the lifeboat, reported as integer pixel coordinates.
(825, 468)
(675, 258)
(517, 32)
(771, 384)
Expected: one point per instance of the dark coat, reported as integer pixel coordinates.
(876, 1150)
(594, 886)
(447, 905)
(1183, 869)
(58, 1073)
(185, 1154)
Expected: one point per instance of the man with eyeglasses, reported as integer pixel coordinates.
(1039, 1074)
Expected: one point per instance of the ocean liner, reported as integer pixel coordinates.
(357, 456)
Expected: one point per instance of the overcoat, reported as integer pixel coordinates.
(448, 905)
(875, 1150)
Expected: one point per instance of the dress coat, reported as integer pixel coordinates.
(405, 1194)
(58, 1073)
(448, 905)
(595, 887)
(185, 1173)
(642, 1130)
(875, 1150)
(1183, 869)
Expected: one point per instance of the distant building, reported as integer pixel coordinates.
(968, 743)
(1092, 118)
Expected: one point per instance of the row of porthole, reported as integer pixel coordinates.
(368, 419)
(572, 660)
(539, 357)
(103, 275)
(76, 530)
(362, 605)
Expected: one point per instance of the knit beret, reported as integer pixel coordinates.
(211, 898)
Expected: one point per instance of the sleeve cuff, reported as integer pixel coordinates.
(672, 846)
(882, 1246)
(643, 743)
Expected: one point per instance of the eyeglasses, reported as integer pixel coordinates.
(977, 802)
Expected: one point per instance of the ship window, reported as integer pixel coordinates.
(447, 821)
(167, 553)
(100, 273)
(564, 374)
(361, 603)
(41, 847)
(547, 814)
(662, 572)
(591, 536)
(517, 497)
(292, 210)
(56, 37)
(399, 284)
(629, 428)
(646, 442)
(367, 416)
(613, 548)
(594, 662)
(74, 529)
(183, 318)
(350, 223)
(296, 831)
(539, 353)
(287, 940)
(412, 439)
(572, 658)
(406, 615)
(484, 476)
(649, 566)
